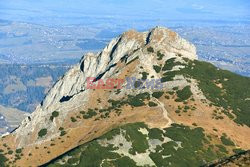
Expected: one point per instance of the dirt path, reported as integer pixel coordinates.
(165, 113)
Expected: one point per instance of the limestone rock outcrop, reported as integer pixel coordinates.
(70, 92)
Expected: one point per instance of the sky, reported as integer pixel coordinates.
(76, 11)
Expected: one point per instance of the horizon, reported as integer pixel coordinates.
(64, 12)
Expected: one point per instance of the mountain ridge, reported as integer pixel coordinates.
(184, 103)
(89, 62)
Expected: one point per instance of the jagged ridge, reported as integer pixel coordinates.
(72, 115)
(72, 84)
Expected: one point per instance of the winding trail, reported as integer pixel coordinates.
(165, 112)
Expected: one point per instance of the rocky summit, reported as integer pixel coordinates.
(144, 100)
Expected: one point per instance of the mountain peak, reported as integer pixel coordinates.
(69, 94)
(164, 39)
(138, 77)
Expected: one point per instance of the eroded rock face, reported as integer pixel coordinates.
(70, 92)
(72, 115)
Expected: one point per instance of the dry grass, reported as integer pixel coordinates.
(202, 116)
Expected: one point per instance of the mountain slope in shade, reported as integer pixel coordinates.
(10, 118)
(239, 159)
(194, 110)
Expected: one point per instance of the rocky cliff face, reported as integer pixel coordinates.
(72, 115)
(69, 93)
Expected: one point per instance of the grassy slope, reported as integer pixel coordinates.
(194, 143)
(234, 94)
(188, 147)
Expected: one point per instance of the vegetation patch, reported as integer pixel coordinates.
(155, 133)
(238, 150)
(54, 115)
(184, 94)
(139, 140)
(115, 105)
(226, 141)
(190, 149)
(62, 131)
(157, 94)
(73, 119)
(157, 68)
(150, 49)
(152, 104)
(91, 113)
(235, 90)
(19, 151)
(144, 75)
(73, 161)
(42, 132)
(170, 63)
(168, 76)
(135, 101)
(159, 55)
(186, 147)
(222, 148)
